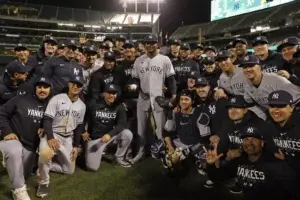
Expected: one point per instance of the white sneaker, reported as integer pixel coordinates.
(20, 193)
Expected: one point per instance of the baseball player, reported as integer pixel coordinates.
(240, 45)
(63, 126)
(20, 122)
(106, 123)
(261, 84)
(191, 79)
(150, 72)
(210, 71)
(210, 51)
(60, 49)
(60, 69)
(174, 49)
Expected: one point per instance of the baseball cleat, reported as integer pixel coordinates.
(20, 193)
(123, 163)
(42, 190)
(209, 184)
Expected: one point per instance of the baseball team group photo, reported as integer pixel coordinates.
(134, 115)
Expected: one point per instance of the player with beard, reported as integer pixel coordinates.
(183, 66)
(197, 51)
(240, 45)
(291, 70)
(261, 176)
(20, 125)
(211, 72)
(261, 84)
(269, 60)
(174, 49)
(210, 51)
(60, 69)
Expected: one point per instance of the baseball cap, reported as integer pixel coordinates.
(237, 101)
(214, 49)
(260, 40)
(194, 74)
(175, 42)
(229, 45)
(248, 61)
(280, 97)
(20, 47)
(252, 131)
(240, 40)
(198, 46)
(297, 53)
(121, 38)
(16, 67)
(111, 88)
(185, 46)
(290, 41)
(71, 43)
(108, 39)
(61, 45)
(77, 79)
(151, 38)
(188, 93)
(91, 49)
(201, 81)
(109, 56)
(49, 39)
(104, 46)
(222, 55)
(208, 60)
(43, 81)
(128, 45)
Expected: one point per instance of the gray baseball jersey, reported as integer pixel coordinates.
(270, 82)
(152, 73)
(233, 84)
(66, 115)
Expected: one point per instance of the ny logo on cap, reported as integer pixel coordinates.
(43, 79)
(258, 38)
(19, 45)
(285, 40)
(220, 53)
(275, 96)
(72, 41)
(150, 36)
(246, 58)
(192, 73)
(111, 86)
(233, 100)
(199, 79)
(77, 78)
(250, 130)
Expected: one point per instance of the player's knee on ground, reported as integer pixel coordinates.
(45, 155)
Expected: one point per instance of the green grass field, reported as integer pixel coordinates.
(145, 180)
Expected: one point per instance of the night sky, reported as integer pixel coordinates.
(174, 12)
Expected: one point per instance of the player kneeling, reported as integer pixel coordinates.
(106, 123)
(63, 126)
(187, 133)
(20, 122)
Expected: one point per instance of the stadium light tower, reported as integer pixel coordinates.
(124, 4)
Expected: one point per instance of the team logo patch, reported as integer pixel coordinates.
(250, 130)
(275, 96)
(233, 100)
(246, 58)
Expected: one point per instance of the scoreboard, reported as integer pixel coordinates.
(221, 9)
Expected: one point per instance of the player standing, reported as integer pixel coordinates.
(150, 71)
(63, 126)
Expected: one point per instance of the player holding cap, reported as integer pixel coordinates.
(20, 122)
(106, 119)
(150, 72)
(63, 126)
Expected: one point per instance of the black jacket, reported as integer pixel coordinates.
(105, 119)
(267, 178)
(8, 90)
(22, 115)
(287, 139)
(99, 79)
(273, 63)
(213, 77)
(59, 70)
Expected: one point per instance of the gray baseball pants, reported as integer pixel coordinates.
(61, 162)
(95, 148)
(19, 161)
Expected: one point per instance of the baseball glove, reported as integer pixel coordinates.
(162, 102)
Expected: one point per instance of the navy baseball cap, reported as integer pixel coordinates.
(43, 81)
(108, 39)
(224, 54)
(20, 47)
(104, 46)
(128, 45)
(209, 60)
(175, 42)
(240, 40)
(49, 39)
(72, 43)
(151, 39)
(290, 41)
(252, 131)
(194, 74)
(109, 56)
(214, 49)
(249, 61)
(111, 88)
(77, 79)
(229, 45)
(260, 40)
(121, 38)
(185, 46)
(188, 93)
(280, 97)
(16, 67)
(91, 49)
(201, 81)
(198, 46)
(237, 101)
(61, 45)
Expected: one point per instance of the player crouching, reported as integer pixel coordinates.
(20, 122)
(187, 133)
(63, 126)
(106, 123)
